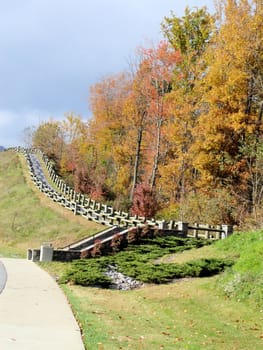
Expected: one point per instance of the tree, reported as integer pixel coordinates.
(144, 201)
(108, 130)
(137, 116)
(49, 139)
(232, 98)
(190, 35)
(158, 65)
(74, 164)
(252, 156)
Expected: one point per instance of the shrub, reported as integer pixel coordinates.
(118, 242)
(136, 262)
(144, 201)
(87, 273)
(133, 235)
(96, 251)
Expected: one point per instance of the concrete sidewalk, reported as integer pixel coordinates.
(3, 276)
(34, 313)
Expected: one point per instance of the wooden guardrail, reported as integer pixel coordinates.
(103, 213)
(77, 202)
(118, 221)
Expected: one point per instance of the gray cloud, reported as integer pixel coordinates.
(51, 51)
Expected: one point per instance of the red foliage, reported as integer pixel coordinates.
(144, 201)
(71, 166)
(82, 180)
(96, 251)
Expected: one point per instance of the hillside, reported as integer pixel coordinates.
(212, 313)
(224, 311)
(29, 218)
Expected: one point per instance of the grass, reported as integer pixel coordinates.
(209, 313)
(245, 280)
(220, 312)
(191, 313)
(183, 315)
(28, 217)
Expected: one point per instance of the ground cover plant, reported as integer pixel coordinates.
(138, 262)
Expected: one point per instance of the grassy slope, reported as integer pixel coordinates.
(29, 218)
(211, 313)
(183, 315)
(222, 312)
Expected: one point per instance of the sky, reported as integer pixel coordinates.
(52, 51)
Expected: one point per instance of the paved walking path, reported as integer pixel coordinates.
(3, 276)
(34, 313)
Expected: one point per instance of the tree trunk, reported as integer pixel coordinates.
(137, 160)
(157, 153)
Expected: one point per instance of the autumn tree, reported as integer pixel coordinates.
(75, 165)
(157, 67)
(144, 201)
(136, 113)
(48, 138)
(108, 130)
(252, 155)
(190, 36)
(232, 97)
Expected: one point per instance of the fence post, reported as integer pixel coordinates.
(171, 225)
(207, 233)
(46, 252)
(183, 227)
(196, 225)
(75, 208)
(74, 196)
(162, 225)
(227, 231)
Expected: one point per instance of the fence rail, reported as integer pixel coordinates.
(117, 221)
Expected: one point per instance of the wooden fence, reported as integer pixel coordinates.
(64, 195)
(101, 213)
(117, 221)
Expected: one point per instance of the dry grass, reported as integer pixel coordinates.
(28, 218)
(46, 202)
(194, 254)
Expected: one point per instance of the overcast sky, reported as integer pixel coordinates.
(51, 51)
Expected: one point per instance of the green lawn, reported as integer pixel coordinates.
(187, 314)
